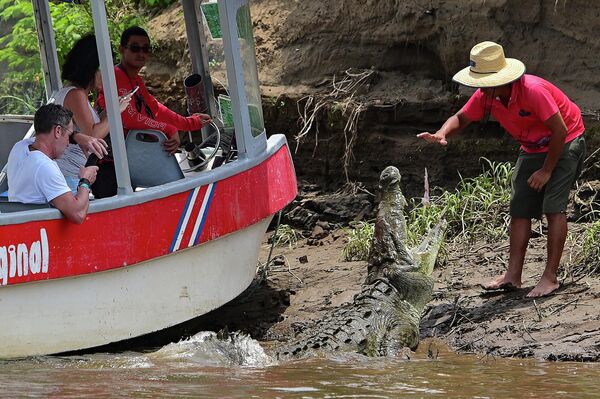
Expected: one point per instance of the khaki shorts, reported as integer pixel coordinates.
(526, 202)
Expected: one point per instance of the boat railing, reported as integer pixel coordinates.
(8, 118)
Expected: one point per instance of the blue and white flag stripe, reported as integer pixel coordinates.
(202, 214)
(184, 221)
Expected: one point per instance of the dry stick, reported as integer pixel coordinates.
(352, 188)
(285, 261)
(467, 317)
(538, 310)
(456, 308)
(561, 307)
(308, 118)
(266, 269)
(587, 160)
(527, 330)
(352, 129)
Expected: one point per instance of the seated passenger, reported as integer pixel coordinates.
(144, 112)
(34, 177)
(81, 74)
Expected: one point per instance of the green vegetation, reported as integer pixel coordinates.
(478, 208)
(285, 235)
(358, 237)
(22, 88)
(589, 257)
(591, 243)
(158, 3)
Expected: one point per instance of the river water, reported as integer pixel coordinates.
(196, 368)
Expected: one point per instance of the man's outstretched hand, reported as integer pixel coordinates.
(433, 138)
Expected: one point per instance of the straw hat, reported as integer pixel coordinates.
(489, 67)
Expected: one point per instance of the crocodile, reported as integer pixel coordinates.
(384, 316)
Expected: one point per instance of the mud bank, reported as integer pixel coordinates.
(563, 326)
(305, 281)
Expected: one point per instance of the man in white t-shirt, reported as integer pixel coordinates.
(34, 177)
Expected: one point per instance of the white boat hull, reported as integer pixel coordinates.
(90, 310)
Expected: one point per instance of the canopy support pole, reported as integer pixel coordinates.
(47, 44)
(109, 84)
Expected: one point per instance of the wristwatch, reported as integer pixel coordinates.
(72, 137)
(85, 183)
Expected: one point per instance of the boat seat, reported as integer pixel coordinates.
(149, 164)
(8, 207)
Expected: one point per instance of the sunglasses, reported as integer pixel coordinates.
(134, 48)
(69, 131)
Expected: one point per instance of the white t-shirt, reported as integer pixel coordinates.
(33, 178)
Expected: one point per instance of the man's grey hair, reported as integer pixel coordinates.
(50, 115)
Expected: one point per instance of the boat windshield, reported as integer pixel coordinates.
(252, 86)
(22, 88)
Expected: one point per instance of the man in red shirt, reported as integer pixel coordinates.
(550, 130)
(144, 111)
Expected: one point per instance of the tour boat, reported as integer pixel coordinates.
(152, 258)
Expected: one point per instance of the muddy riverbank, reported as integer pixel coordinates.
(308, 279)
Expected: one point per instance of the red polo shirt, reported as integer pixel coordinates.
(532, 101)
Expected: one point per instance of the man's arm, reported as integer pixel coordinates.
(77, 102)
(191, 123)
(179, 122)
(455, 124)
(559, 130)
(131, 117)
(75, 208)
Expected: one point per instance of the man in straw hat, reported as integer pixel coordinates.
(550, 130)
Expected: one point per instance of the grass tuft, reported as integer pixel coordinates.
(478, 208)
(589, 257)
(359, 236)
(285, 235)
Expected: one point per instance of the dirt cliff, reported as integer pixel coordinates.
(410, 49)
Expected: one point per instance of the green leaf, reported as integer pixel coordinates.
(19, 51)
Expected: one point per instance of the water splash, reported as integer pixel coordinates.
(206, 348)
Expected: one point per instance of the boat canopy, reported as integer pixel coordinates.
(231, 18)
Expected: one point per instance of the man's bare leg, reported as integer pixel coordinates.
(557, 234)
(520, 231)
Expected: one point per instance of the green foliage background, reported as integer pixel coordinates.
(22, 87)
